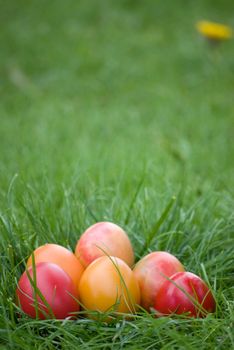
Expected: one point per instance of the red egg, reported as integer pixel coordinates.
(52, 294)
(151, 271)
(184, 293)
(104, 238)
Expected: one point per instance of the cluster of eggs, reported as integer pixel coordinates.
(100, 277)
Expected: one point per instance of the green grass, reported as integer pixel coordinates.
(108, 109)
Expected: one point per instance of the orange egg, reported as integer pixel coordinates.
(61, 256)
(108, 284)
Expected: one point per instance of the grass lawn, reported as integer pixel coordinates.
(108, 109)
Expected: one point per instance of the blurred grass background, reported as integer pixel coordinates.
(98, 96)
(110, 86)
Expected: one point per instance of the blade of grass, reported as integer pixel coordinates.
(157, 225)
(139, 186)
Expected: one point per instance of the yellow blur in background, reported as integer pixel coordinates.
(214, 31)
